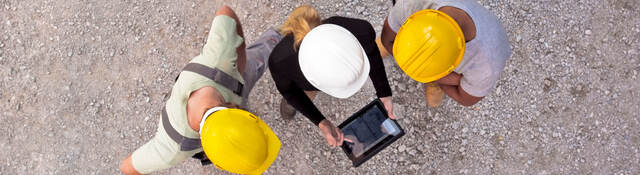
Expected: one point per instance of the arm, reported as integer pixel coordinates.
(366, 36)
(241, 50)
(377, 73)
(127, 167)
(387, 36)
(294, 95)
(452, 79)
(461, 96)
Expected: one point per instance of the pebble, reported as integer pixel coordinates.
(402, 148)
(430, 132)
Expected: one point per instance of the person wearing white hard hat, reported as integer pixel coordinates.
(335, 56)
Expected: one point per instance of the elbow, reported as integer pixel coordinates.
(127, 167)
(467, 104)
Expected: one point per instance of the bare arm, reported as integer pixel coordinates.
(452, 79)
(241, 50)
(387, 37)
(461, 96)
(127, 167)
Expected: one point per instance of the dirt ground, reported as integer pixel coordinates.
(82, 84)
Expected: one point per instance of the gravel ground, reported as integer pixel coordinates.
(82, 84)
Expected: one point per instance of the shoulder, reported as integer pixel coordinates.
(283, 56)
(282, 51)
(361, 29)
(405, 8)
(349, 23)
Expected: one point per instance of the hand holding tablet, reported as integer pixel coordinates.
(369, 131)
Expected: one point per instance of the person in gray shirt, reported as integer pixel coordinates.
(486, 48)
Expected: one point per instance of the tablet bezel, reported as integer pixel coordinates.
(357, 161)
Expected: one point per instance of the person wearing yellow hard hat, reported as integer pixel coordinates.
(455, 47)
(335, 55)
(201, 118)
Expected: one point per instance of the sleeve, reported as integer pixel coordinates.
(156, 155)
(220, 48)
(480, 80)
(401, 11)
(293, 94)
(223, 38)
(377, 73)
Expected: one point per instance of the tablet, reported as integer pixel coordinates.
(371, 130)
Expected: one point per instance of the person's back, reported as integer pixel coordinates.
(213, 83)
(486, 49)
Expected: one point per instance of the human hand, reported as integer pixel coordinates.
(388, 105)
(333, 134)
(452, 79)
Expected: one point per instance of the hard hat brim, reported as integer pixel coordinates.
(273, 148)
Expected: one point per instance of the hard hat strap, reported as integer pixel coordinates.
(207, 114)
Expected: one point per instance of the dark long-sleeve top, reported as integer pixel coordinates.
(286, 72)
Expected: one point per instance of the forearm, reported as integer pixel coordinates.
(387, 37)
(459, 95)
(452, 79)
(378, 73)
(301, 102)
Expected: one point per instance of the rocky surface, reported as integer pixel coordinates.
(82, 84)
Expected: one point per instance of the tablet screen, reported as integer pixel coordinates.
(368, 130)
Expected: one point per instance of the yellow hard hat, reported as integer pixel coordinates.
(238, 141)
(429, 45)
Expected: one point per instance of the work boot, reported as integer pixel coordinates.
(286, 111)
(433, 94)
(383, 52)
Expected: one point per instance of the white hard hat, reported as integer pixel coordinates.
(333, 60)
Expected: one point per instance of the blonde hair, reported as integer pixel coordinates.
(301, 20)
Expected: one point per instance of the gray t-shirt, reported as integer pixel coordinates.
(485, 55)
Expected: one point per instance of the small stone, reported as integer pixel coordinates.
(360, 9)
(588, 32)
(402, 148)
(70, 53)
